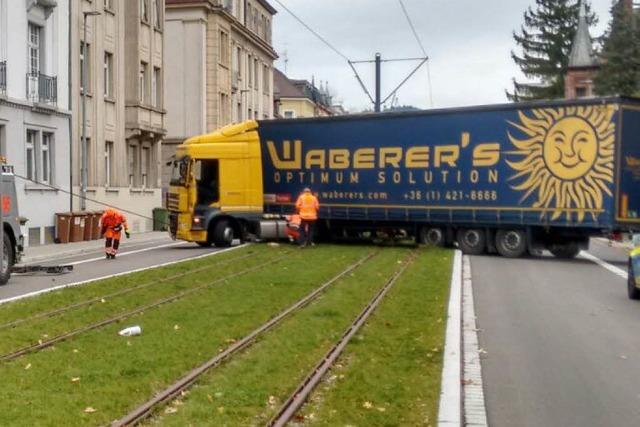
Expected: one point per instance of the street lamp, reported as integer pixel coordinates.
(83, 149)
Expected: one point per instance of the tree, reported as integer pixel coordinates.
(545, 40)
(620, 70)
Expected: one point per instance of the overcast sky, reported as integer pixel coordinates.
(468, 42)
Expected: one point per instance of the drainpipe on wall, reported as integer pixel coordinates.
(70, 85)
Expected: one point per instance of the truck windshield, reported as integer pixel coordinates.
(179, 171)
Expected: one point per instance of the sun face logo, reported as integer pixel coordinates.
(566, 159)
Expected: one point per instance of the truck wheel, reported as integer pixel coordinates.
(565, 251)
(223, 234)
(511, 243)
(632, 290)
(432, 236)
(5, 268)
(472, 241)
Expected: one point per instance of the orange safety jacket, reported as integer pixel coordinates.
(112, 223)
(307, 206)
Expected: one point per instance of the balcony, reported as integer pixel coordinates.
(3, 78)
(42, 89)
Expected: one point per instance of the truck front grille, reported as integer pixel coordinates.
(173, 203)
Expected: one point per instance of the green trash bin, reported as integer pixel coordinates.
(160, 219)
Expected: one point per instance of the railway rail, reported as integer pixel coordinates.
(146, 409)
(63, 337)
(302, 392)
(61, 310)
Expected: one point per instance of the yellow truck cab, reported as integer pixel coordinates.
(216, 186)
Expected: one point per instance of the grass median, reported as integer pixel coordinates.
(158, 288)
(404, 366)
(390, 372)
(99, 376)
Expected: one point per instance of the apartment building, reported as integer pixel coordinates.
(124, 104)
(221, 68)
(300, 98)
(35, 108)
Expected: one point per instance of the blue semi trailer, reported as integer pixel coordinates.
(503, 178)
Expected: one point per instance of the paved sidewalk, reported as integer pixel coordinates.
(47, 252)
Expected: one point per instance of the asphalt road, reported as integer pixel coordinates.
(92, 264)
(562, 341)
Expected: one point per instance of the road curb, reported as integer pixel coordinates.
(450, 407)
(474, 407)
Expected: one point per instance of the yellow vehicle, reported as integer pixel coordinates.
(216, 187)
(509, 179)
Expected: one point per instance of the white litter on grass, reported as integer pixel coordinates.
(131, 331)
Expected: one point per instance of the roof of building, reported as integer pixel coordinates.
(283, 87)
(582, 54)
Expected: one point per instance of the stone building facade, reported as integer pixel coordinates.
(125, 104)
(221, 69)
(35, 109)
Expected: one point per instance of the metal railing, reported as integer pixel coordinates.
(3, 77)
(42, 89)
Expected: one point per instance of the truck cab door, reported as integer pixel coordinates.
(234, 181)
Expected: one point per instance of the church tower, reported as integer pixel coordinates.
(583, 64)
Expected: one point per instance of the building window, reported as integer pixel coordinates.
(142, 83)
(256, 67)
(250, 70)
(156, 88)
(108, 4)
(265, 79)
(224, 48)
(224, 108)
(144, 11)
(88, 71)
(289, 114)
(108, 163)
(239, 62)
(46, 148)
(145, 166)
(157, 13)
(30, 146)
(133, 163)
(581, 92)
(108, 75)
(34, 48)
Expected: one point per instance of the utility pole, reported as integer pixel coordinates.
(85, 89)
(378, 83)
(377, 102)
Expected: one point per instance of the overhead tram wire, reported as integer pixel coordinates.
(322, 39)
(424, 51)
(330, 46)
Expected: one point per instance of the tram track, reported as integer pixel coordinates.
(40, 345)
(146, 409)
(295, 401)
(101, 298)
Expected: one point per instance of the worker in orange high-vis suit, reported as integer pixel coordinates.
(307, 206)
(112, 223)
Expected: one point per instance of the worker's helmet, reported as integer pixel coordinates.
(306, 190)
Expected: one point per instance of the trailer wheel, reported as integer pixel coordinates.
(5, 268)
(565, 251)
(223, 234)
(472, 241)
(432, 236)
(511, 243)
